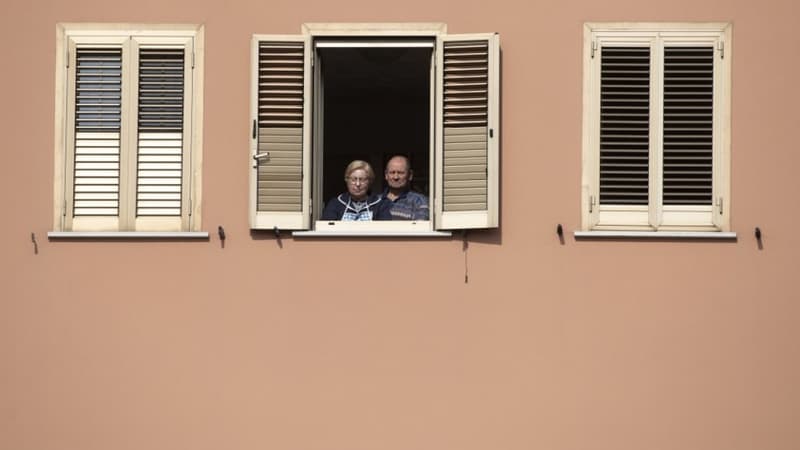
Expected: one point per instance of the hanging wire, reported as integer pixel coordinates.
(464, 248)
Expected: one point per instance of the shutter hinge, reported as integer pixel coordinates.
(64, 209)
(719, 205)
(192, 59)
(312, 59)
(594, 48)
(67, 58)
(591, 203)
(721, 48)
(190, 207)
(255, 129)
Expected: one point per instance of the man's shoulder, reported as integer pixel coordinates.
(417, 197)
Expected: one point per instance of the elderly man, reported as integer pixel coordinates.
(405, 203)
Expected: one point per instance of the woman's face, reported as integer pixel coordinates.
(358, 184)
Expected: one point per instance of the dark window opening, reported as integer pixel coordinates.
(376, 103)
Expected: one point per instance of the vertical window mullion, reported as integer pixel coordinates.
(130, 85)
(655, 203)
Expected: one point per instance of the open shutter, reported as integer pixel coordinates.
(280, 140)
(467, 131)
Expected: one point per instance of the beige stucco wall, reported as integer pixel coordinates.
(380, 344)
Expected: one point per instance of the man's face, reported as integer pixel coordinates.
(397, 173)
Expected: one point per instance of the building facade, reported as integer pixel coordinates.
(608, 263)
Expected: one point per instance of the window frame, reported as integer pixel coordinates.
(655, 216)
(128, 38)
(440, 220)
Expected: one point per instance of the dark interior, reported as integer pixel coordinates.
(376, 105)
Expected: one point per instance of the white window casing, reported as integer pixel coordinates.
(464, 128)
(128, 128)
(656, 127)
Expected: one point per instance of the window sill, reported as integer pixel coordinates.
(360, 233)
(128, 235)
(700, 235)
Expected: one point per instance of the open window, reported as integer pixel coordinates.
(342, 92)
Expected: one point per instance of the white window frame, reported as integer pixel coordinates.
(440, 220)
(656, 217)
(128, 37)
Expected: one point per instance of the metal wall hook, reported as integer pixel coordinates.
(221, 233)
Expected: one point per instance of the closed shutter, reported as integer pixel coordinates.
(280, 147)
(656, 127)
(98, 100)
(624, 125)
(467, 131)
(159, 174)
(132, 135)
(688, 125)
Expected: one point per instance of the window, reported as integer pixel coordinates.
(656, 127)
(128, 128)
(339, 92)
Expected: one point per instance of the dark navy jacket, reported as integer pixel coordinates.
(342, 207)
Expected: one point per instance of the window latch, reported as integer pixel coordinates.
(260, 156)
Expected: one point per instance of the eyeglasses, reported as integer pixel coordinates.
(356, 180)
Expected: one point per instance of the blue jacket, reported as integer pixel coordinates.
(409, 205)
(342, 207)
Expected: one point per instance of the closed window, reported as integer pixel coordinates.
(128, 132)
(341, 92)
(656, 127)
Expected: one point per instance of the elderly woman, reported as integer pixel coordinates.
(357, 203)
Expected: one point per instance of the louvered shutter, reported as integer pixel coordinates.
(160, 131)
(96, 133)
(467, 131)
(130, 125)
(624, 125)
(656, 127)
(280, 144)
(688, 125)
